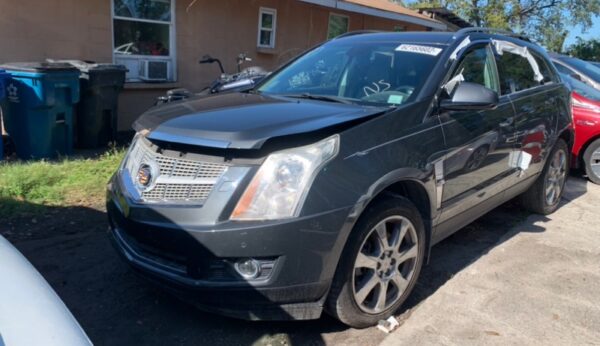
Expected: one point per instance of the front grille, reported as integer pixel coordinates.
(186, 168)
(175, 167)
(178, 192)
(180, 180)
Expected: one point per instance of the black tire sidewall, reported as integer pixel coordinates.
(341, 302)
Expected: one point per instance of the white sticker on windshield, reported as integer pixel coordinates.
(413, 48)
(395, 99)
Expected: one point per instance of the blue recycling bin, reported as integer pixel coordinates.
(38, 108)
(3, 78)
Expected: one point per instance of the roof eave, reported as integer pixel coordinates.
(356, 8)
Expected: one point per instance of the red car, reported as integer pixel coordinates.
(586, 120)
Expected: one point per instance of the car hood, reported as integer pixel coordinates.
(243, 120)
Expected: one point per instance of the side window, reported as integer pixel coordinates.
(516, 73)
(144, 39)
(549, 75)
(338, 25)
(477, 66)
(563, 69)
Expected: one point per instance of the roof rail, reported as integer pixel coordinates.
(493, 31)
(357, 32)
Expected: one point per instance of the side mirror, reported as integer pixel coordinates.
(470, 96)
(576, 76)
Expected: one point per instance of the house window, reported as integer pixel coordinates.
(338, 25)
(144, 39)
(267, 23)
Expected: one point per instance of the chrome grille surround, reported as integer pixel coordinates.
(181, 181)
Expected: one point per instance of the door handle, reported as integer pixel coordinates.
(508, 122)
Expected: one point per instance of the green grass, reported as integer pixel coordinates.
(26, 187)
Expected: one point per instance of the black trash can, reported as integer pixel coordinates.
(96, 119)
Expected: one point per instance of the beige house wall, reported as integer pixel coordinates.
(35, 30)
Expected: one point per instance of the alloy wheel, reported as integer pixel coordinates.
(555, 178)
(385, 264)
(595, 163)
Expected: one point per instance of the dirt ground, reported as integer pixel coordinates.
(540, 285)
(71, 248)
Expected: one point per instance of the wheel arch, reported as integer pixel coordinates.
(419, 191)
(568, 135)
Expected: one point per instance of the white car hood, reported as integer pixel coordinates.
(31, 313)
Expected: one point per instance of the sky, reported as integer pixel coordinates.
(593, 32)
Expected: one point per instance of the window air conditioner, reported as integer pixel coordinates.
(154, 71)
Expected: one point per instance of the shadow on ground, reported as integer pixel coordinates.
(72, 250)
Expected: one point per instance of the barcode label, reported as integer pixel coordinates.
(413, 48)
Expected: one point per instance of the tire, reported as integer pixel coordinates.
(397, 268)
(591, 160)
(537, 198)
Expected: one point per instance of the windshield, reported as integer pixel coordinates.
(380, 73)
(585, 68)
(581, 88)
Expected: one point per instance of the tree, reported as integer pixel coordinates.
(545, 21)
(585, 50)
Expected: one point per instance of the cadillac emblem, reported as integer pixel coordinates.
(146, 176)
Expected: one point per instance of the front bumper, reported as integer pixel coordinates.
(195, 261)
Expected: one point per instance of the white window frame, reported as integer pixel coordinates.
(272, 12)
(333, 14)
(172, 57)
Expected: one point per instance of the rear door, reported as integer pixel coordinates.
(537, 103)
(477, 164)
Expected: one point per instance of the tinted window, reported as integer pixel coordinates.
(338, 25)
(585, 68)
(581, 88)
(545, 70)
(516, 73)
(564, 70)
(477, 66)
(373, 72)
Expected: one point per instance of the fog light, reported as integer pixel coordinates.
(248, 268)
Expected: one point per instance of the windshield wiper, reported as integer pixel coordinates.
(327, 98)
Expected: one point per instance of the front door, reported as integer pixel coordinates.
(477, 164)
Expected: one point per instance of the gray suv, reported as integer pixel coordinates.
(323, 187)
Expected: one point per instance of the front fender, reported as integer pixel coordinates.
(423, 179)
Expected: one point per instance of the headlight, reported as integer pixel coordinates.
(126, 162)
(279, 188)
